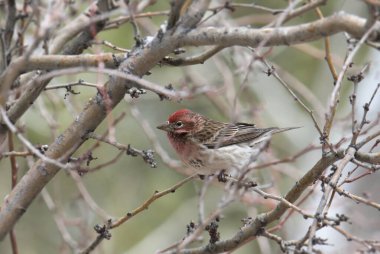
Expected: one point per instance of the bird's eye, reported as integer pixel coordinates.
(178, 124)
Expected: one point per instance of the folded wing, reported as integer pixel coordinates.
(237, 133)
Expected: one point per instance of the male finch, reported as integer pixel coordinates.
(209, 146)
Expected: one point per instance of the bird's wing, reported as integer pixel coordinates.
(236, 133)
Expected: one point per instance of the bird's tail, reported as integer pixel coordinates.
(268, 133)
(278, 130)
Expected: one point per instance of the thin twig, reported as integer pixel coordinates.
(87, 196)
(78, 83)
(149, 201)
(321, 210)
(59, 220)
(146, 155)
(192, 60)
(357, 130)
(328, 57)
(27, 143)
(333, 104)
(272, 71)
(349, 195)
(118, 222)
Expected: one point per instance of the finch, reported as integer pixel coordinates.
(209, 146)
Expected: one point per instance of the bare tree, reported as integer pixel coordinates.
(310, 191)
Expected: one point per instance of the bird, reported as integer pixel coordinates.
(208, 146)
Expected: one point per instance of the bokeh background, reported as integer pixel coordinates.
(125, 184)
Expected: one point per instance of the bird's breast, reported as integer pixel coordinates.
(182, 146)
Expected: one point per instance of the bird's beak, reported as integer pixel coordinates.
(164, 127)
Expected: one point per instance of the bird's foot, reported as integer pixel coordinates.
(222, 176)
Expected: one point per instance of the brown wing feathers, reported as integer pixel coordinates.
(216, 134)
(236, 133)
(242, 133)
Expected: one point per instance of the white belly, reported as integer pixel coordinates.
(230, 158)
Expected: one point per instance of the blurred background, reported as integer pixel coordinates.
(237, 89)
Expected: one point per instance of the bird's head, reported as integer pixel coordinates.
(181, 122)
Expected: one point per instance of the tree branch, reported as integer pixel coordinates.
(243, 36)
(140, 61)
(264, 219)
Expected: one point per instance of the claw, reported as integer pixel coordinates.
(222, 176)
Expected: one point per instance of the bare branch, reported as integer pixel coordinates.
(242, 36)
(333, 103)
(265, 218)
(355, 198)
(321, 210)
(140, 61)
(116, 223)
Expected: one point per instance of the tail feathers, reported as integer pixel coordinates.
(268, 135)
(278, 130)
